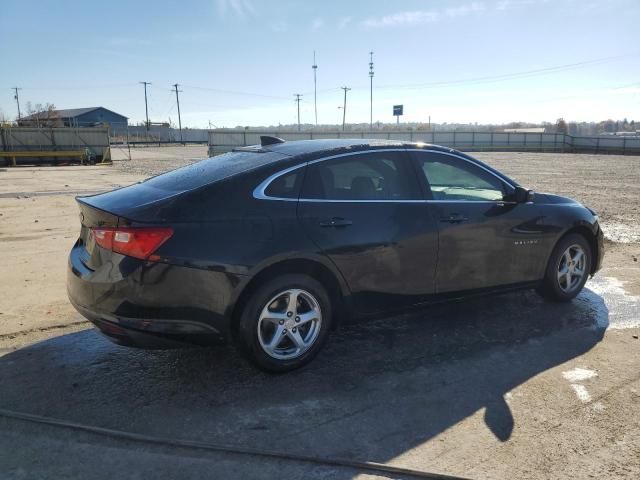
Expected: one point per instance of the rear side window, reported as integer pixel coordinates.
(211, 170)
(365, 176)
(285, 186)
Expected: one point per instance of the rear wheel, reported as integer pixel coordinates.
(285, 322)
(568, 269)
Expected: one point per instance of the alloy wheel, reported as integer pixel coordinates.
(571, 268)
(289, 324)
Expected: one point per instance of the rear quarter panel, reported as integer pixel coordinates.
(224, 228)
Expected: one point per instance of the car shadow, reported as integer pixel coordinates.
(378, 389)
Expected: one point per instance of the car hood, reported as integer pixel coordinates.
(554, 199)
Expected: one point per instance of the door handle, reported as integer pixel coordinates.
(336, 222)
(454, 218)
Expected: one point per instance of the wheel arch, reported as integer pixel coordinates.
(329, 277)
(586, 232)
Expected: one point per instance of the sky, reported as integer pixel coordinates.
(240, 62)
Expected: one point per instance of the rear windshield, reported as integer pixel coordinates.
(211, 170)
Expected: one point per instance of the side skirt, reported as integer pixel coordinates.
(451, 297)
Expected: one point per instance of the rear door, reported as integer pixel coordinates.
(486, 239)
(367, 213)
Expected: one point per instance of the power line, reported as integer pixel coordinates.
(485, 79)
(513, 75)
(175, 86)
(297, 100)
(449, 82)
(79, 87)
(324, 90)
(371, 79)
(122, 85)
(235, 92)
(17, 97)
(146, 107)
(315, 88)
(344, 108)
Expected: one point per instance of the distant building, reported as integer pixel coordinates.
(623, 134)
(75, 117)
(524, 130)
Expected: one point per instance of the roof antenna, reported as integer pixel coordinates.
(266, 140)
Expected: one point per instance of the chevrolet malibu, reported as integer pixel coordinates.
(270, 246)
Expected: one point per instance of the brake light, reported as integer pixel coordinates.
(133, 242)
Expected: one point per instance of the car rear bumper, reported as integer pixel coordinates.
(152, 305)
(151, 333)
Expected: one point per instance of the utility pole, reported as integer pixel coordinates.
(17, 97)
(146, 107)
(315, 87)
(371, 78)
(344, 107)
(298, 95)
(175, 86)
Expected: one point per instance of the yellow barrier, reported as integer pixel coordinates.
(82, 154)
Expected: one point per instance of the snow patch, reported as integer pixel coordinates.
(581, 392)
(621, 232)
(615, 309)
(579, 374)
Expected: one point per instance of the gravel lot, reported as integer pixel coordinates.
(500, 387)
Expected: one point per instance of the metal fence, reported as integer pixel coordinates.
(156, 135)
(95, 141)
(221, 141)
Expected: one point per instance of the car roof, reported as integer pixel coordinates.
(304, 150)
(334, 146)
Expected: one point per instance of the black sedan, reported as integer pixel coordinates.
(272, 245)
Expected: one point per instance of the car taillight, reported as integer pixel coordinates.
(134, 242)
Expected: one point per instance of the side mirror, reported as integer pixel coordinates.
(523, 195)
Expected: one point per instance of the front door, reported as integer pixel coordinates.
(486, 239)
(365, 211)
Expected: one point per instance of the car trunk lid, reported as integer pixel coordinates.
(91, 217)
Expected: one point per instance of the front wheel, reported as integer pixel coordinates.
(567, 270)
(285, 323)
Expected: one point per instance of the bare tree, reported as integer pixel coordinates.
(561, 126)
(40, 115)
(53, 117)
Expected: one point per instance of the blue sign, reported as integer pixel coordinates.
(397, 110)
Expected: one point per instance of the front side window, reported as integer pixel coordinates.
(450, 178)
(366, 176)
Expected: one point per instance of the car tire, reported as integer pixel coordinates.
(268, 316)
(556, 285)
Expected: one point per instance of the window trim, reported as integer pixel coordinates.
(283, 173)
(404, 164)
(259, 191)
(506, 187)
